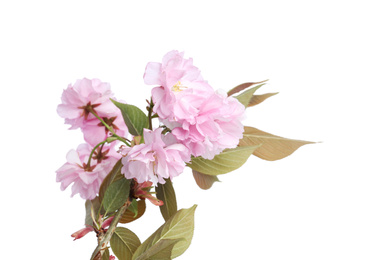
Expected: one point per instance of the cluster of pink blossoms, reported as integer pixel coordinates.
(86, 178)
(85, 95)
(202, 122)
(205, 121)
(79, 102)
(160, 157)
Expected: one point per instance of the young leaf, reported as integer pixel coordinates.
(178, 226)
(272, 147)
(227, 161)
(160, 251)
(88, 205)
(166, 193)
(116, 195)
(114, 175)
(243, 86)
(257, 99)
(246, 96)
(129, 215)
(134, 207)
(134, 118)
(204, 181)
(124, 243)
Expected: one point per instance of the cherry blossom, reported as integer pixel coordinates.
(84, 99)
(85, 95)
(205, 121)
(95, 132)
(181, 87)
(218, 126)
(158, 158)
(86, 178)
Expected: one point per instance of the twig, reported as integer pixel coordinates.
(104, 240)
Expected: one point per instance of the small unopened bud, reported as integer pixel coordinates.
(107, 222)
(82, 232)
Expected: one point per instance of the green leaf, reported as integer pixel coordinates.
(166, 193)
(113, 175)
(227, 161)
(246, 96)
(257, 99)
(178, 226)
(134, 118)
(134, 207)
(88, 205)
(272, 147)
(160, 251)
(124, 243)
(116, 195)
(204, 181)
(243, 86)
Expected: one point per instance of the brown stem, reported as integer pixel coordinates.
(104, 240)
(150, 110)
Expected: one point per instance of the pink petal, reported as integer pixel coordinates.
(68, 111)
(152, 73)
(73, 157)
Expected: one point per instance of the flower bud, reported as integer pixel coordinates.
(82, 232)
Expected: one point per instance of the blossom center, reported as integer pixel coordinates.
(178, 87)
(87, 109)
(99, 155)
(109, 122)
(87, 167)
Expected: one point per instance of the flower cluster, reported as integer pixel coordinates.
(205, 121)
(160, 157)
(83, 102)
(126, 154)
(87, 105)
(195, 120)
(86, 175)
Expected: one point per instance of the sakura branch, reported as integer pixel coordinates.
(125, 154)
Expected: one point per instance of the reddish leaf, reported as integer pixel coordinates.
(204, 181)
(242, 87)
(129, 216)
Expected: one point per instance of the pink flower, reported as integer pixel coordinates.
(205, 121)
(111, 257)
(181, 87)
(218, 126)
(86, 178)
(95, 132)
(85, 94)
(160, 157)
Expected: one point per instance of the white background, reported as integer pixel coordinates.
(314, 204)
